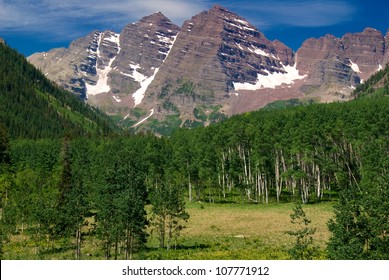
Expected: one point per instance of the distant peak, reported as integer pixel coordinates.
(155, 18)
(218, 8)
(157, 14)
(370, 30)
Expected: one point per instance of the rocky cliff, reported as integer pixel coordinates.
(216, 64)
(216, 55)
(334, 66)
(112, 70)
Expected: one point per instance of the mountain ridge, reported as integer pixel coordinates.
(216, 62)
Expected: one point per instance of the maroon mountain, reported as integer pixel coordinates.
(156, 74)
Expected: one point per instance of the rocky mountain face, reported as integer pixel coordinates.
(386, 56)
(159, 75)
(216, 53)
(336, 65)
(110, 70)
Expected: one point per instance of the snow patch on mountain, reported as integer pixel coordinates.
(239, 23)
(355, 67)
(118, 100)
(140, 93)
(146, 81)
(272, 80)
(101, 85)
(258, 51)
(145, 119)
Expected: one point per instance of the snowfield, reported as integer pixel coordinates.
(102, 73)
(272, 80)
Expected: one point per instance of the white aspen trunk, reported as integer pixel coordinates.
(249, 167)
(319, 191)
(170, 233)
(243, 156)
(223, 175)
(277, 175)
(189, 184)
(78, 241)
(127, 243)
(294, 185)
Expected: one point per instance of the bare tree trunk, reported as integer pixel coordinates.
(78, 243)
(162, 232)
(170, 234)
(319, 190)
(189, 183)
(277, 175)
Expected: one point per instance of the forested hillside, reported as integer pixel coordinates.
(120, 190)
(303, 154)
(378, 84)
(33, 107)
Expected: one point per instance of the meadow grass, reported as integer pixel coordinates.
(213, 232)
(243, 231)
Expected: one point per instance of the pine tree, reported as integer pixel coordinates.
(303, 249)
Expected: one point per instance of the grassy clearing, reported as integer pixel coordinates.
(242, 231)
(214, 231)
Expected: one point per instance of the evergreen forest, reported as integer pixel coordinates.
(68, 175)
(33, 107)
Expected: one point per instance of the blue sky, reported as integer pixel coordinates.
(39, 25)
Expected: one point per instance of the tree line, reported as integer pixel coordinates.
(61, 187)
(60, 190)
(56, 188)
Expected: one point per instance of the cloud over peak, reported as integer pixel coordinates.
(69, 17)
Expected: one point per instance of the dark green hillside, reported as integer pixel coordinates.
(33, 107)
(378, 84)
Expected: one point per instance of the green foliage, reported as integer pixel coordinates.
(210, 114)
(303, 249)
(56, 193)
(165, 90)
(138, 112)
(199, 114)
(33, 107)
(186, 88)
(282, 104)
(169, 106)
(165, 127)
(376, 85)
(168, 212)
(215, 117)
(120, 197)
(192, 124)
(359, 228)
(4, 146)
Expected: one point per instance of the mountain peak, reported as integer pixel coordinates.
(371, 30)
(155, 16)
(2, 41)
(218, 8)
(216, 59)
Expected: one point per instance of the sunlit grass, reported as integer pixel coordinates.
(244, 231)
(214, 231)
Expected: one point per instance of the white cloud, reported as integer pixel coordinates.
(69, 17)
